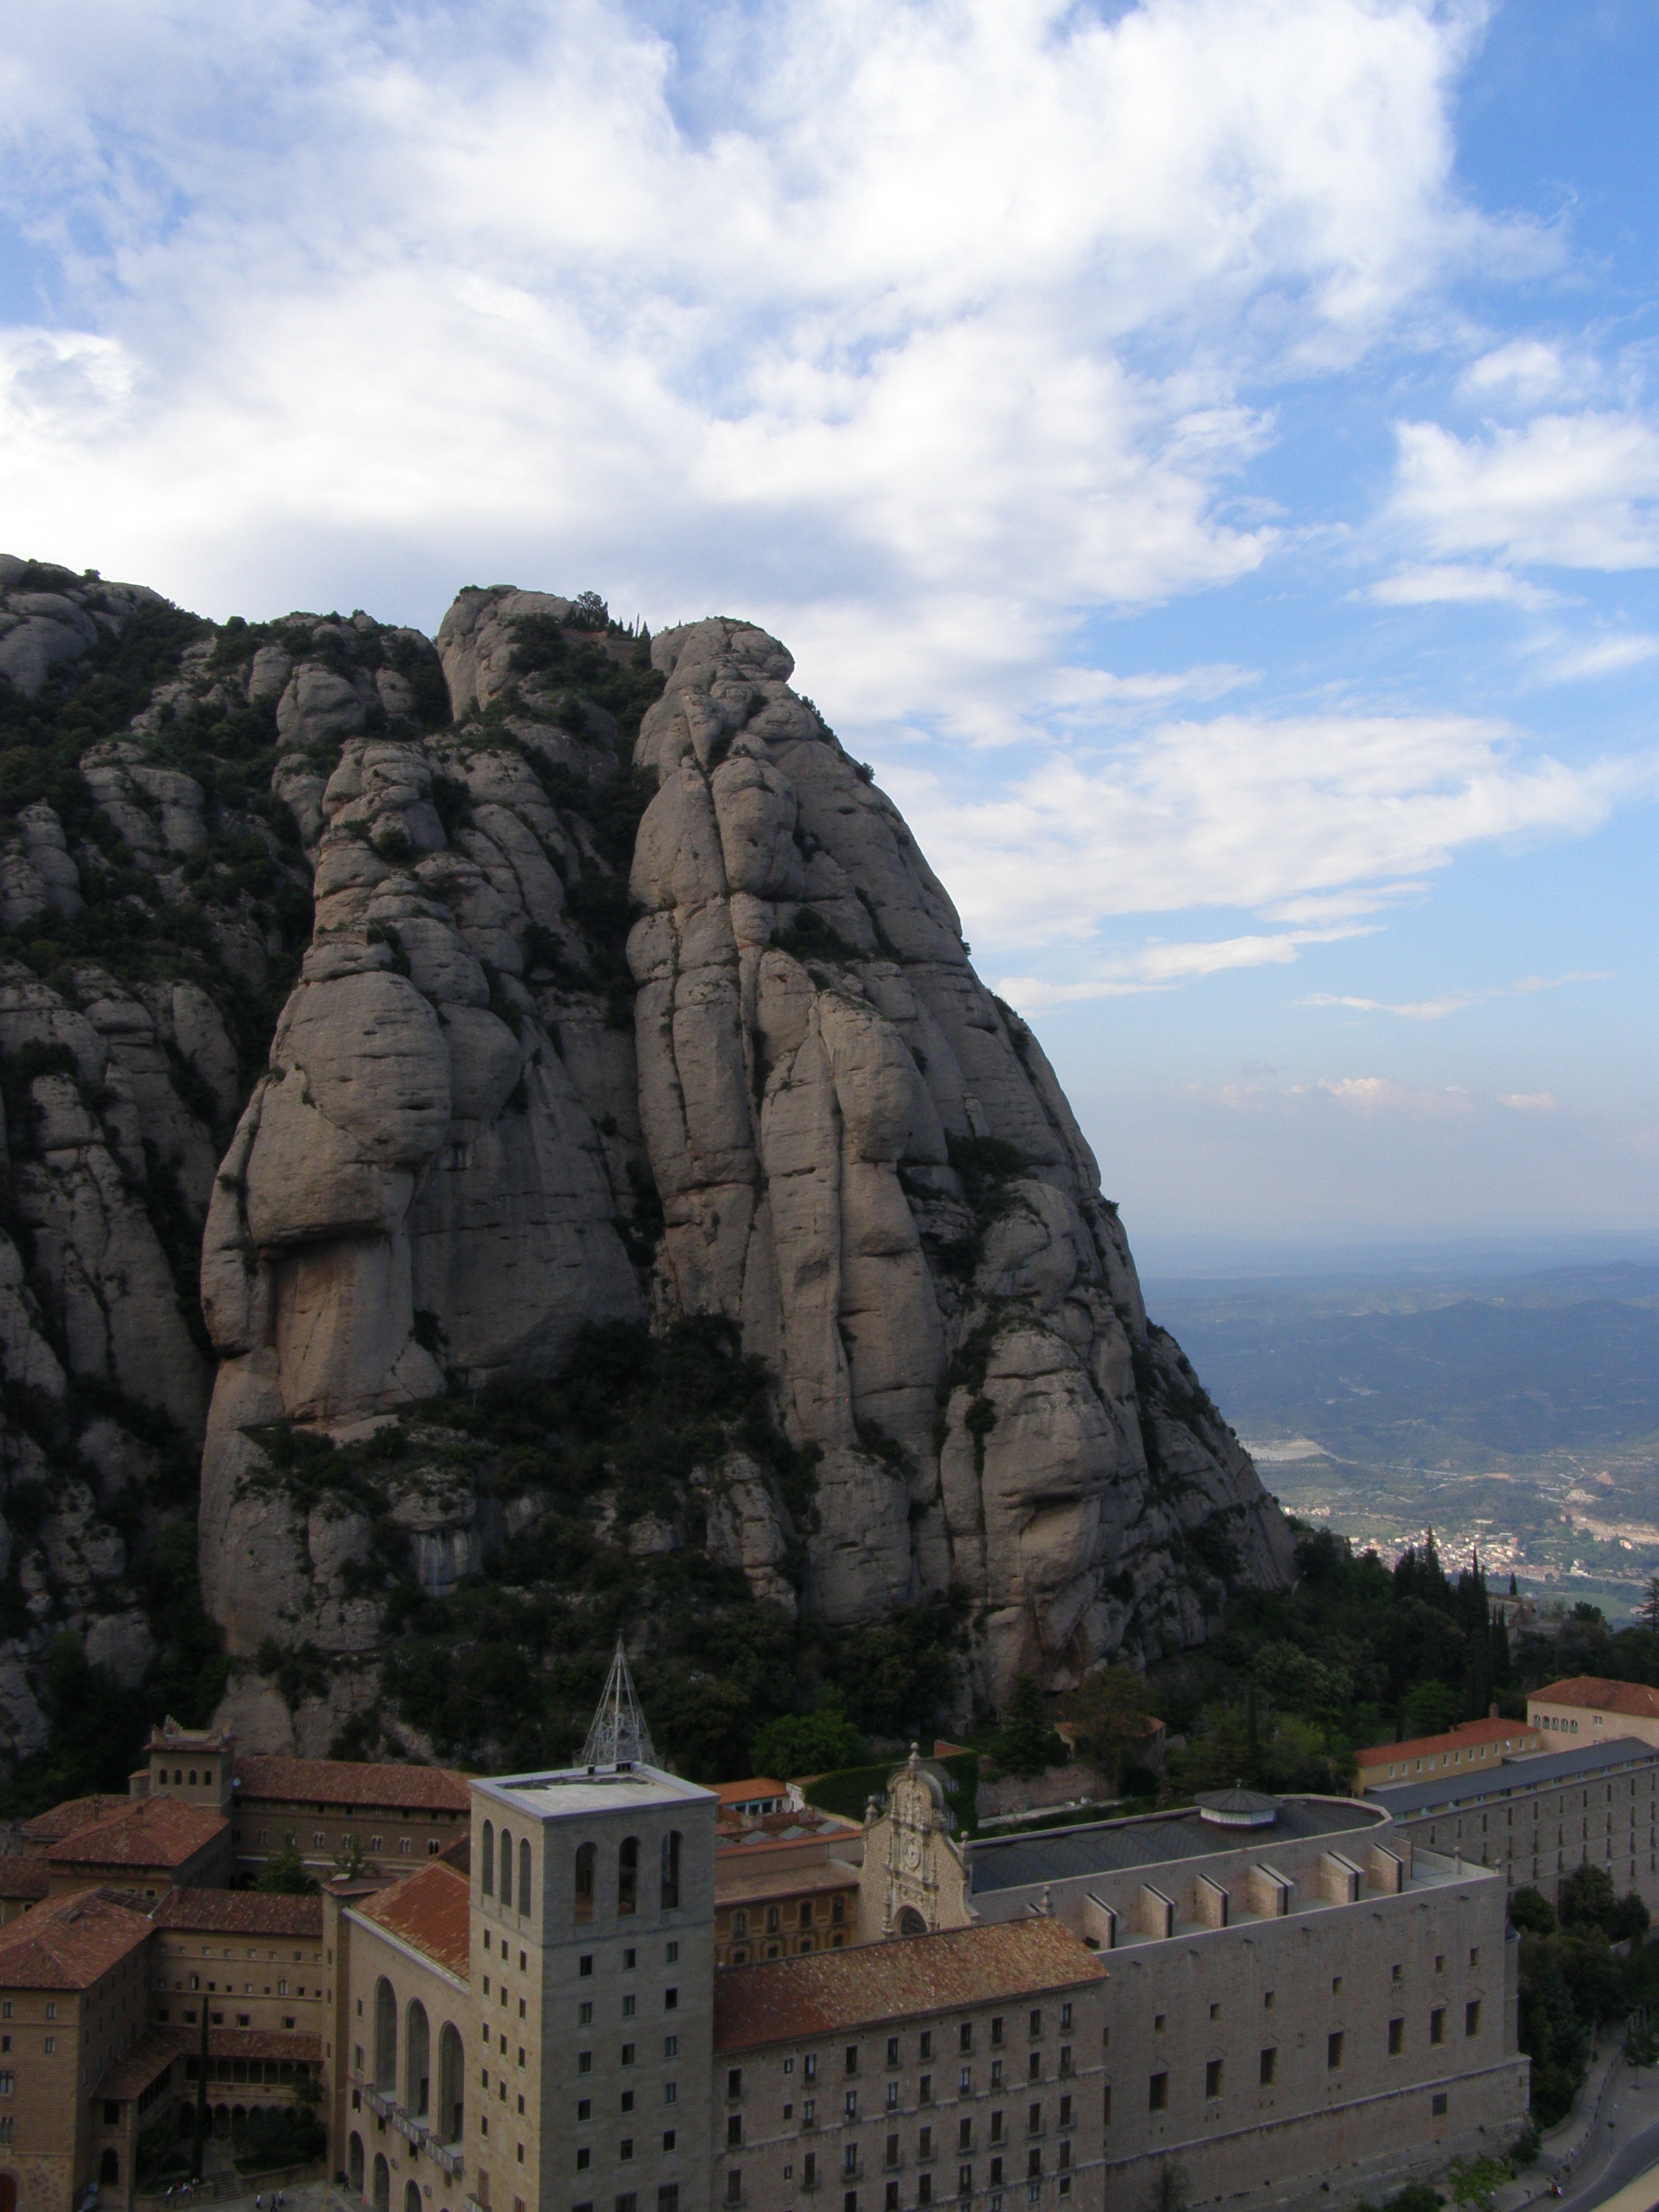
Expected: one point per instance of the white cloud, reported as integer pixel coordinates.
(1455, 1002)
(1458, 584)
(1246, 812)
(1526, 371)
(1358, 1094)
(1529, 1102)
(861, 316)
(1601, 656)
(1576, 491)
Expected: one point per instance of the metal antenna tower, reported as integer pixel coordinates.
(619, 1735)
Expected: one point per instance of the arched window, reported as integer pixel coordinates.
(671, 1870)
(488, 1857)
(382, 2184)
(628, 1875)
(354, 2165)
(192, 1778)
(412, 2197)
(524, 1877)
(451, 2084)
(418, 2062)
(507, 1868)
(386, 2038)
(587, 1858)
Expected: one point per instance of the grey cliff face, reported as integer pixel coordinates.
(562, 1040)
(865, 1159)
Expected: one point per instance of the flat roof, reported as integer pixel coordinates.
(578, 1790)
(1156, 1839)
(1538, 1770)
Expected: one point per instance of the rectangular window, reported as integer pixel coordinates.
(1396, 2038)
(1471, 2017)
(892, 2050)
(1106, 2105)
(1438, 2025)
(852, 2058)
(925, 2050)
(1157, 2098)
(1213, 2078)
(1036, 2025)
(1333, 2043)
(1437, 2105)
(1034, 2120)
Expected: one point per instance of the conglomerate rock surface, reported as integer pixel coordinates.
(440, 1005)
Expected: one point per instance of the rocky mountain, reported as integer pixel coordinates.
(522, 1109)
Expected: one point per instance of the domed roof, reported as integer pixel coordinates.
(1237, 1807)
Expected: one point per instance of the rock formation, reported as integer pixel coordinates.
(585, 1027)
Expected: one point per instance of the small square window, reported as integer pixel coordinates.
(1266, 2000)
(1437, 2105)
(1336, 1985)
(1157, 2023)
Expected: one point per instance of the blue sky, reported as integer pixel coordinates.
(1205, 455)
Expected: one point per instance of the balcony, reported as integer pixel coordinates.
(447, 2156)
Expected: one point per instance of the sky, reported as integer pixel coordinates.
(1204, 454)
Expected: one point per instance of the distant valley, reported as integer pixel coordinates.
(1520, 1413)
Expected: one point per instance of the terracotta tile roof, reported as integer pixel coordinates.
(133, 2072)
(1590, 1691)
(248, 2043)
(151, 1832)
(241, 1913)
(388, 1786)
(757, 1789)
(75, 1813)
(746, 1884)
(785, 2000)
(430, 1911)
(23, 1877)
(68, 1943)
(1471, 1733)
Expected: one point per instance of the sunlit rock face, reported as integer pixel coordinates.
(542, 976)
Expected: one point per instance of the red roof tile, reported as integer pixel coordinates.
(1457, 1739)
(23, 1878)
(1590, 1691)
(761, 1787)
(133, 2072)
(74, 1813)
(152, 1832)
(249, 2043)
(390, 1787)
(786, 2000)
(241, 1913)
(69, 1943)
(745, 1883)
(430, 1911)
